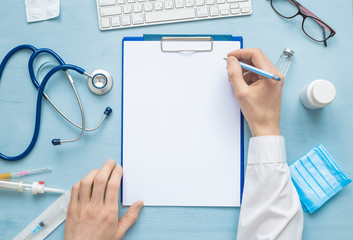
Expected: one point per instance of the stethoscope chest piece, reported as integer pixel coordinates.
(100, 82)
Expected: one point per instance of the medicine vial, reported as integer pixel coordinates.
(285, 61)
(317, 94)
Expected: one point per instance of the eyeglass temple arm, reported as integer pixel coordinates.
(308, 12)
(324, 35)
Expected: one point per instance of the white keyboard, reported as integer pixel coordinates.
(117, 14)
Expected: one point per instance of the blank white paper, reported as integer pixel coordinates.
(181, 127)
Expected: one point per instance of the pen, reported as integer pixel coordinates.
(258, 71)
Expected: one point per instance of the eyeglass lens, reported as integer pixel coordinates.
(312, 27)
(285, 8)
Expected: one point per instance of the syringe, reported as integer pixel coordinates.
(39, 227)
(24, 173)
(34, 188)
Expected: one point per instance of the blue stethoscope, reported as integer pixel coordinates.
(99, 83)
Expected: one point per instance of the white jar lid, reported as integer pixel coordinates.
(323, 92)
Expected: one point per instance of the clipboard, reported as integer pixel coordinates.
(175, 174)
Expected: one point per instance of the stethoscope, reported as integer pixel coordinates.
(99, 82)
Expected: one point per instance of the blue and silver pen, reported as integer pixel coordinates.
(258, 71)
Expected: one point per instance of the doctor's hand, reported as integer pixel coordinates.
(259, 97)
(93, 209)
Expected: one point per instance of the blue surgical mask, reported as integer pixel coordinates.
(317, 178)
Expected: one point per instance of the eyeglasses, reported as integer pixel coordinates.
(312, 26)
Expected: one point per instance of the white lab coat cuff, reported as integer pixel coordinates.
(267, 149)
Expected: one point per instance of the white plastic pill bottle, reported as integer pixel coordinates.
(317, 94)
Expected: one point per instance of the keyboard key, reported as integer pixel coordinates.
(225, 11)
(234, 11)
(168, 4)
(128, 13)
(137, 7)
(179, 3)
(158, 5)
(105, 22)
(115, 21)
(106, 2)
(202, 11)
(244, 4)
(234, 5)
(127, 9)
(181, 14)
(200, 2)
(106, 11)
(137, 18)
(126, 20)
(214, 11)
(245, 10)
(148, 7)
(189, 3)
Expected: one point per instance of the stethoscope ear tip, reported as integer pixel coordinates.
(108, 111)
(56, 142)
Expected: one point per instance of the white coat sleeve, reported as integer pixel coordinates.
(270, 206)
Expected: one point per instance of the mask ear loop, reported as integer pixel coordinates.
(52, 64)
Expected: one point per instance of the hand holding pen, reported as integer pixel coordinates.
(258, 71)
(259, 97)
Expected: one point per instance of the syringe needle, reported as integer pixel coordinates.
(29, 172)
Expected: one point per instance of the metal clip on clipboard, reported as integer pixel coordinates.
(186, 44)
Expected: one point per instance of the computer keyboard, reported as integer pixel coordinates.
(117, 14)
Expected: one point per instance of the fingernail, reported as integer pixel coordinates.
(118, 167)
(230, 59)
(110, 161)
(138, 205)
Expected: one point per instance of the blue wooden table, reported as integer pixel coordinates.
(76, 37)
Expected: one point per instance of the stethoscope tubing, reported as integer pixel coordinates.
(33, 57)
(59, 141)
(40, 89)
(36, 84)
(12, 52)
